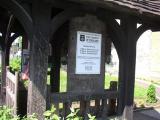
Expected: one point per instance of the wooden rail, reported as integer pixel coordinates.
(12, 90)
(104, 102)
(69, 96)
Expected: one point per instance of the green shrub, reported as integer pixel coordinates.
(50, 114)
(151, 94)
(73, 115)
(91, 117)
(15, 64)
(25, 83)
(30, 117)
(5, 113)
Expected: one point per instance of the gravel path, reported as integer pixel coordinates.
(150, 114)
(141, 116)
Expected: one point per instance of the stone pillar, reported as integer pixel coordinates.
(86, 82)
(39, 51)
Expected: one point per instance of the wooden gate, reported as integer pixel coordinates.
(12, 90)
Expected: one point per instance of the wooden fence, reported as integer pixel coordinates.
(100, 104)
(12, 90)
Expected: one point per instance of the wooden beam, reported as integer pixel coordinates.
(70, 96)
(126, 6)
(141, 30)
(20, 13)
(106, 14)
(5, 53)
(63, 17)
(8, 46)
(57, 42)
(127, 68)
(55, 68)
(116, 34)
(63, 4)
(149, 8)
(37, 89)
(2, 63)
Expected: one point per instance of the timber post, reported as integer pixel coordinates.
(3, 63)
(112, 102)
(39, 58)
(6, 43)
(127, 67)
(58, 40)
(3, 77)
(55, 68)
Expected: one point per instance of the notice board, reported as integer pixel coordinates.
(88, 53)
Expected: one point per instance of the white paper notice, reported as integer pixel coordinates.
(88, 54)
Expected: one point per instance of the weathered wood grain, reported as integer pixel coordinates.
(70, 96)
(149, 8)
(39, 50)
(12, 90)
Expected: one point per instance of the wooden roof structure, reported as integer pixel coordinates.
(150, 8)
(146, 7)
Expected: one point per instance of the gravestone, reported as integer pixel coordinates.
(86, 54)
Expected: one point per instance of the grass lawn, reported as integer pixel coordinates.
(140, 92)
(108, 79)
(63, 81)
